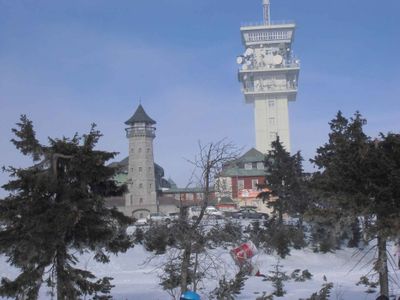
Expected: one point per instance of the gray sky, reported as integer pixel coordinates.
(67, 64)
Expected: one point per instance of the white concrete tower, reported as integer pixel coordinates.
(269, 73)
(141, 197)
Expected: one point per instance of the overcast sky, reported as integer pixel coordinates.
(69, 63)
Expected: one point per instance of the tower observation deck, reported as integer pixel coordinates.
(269, 74)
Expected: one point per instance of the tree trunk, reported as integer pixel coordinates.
(60, 263)
(381, 266)
(196, 263)
(187, 251)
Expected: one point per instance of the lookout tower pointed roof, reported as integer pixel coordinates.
(140, 116)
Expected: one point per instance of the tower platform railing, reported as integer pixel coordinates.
(147, 131)
(294, 65)
(253, 24)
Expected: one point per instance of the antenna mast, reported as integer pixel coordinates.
(266, 12)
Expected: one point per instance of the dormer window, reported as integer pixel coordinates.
(248, 166)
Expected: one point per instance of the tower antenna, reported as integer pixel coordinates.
(266, 12)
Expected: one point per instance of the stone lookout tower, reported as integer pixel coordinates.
(141, 197)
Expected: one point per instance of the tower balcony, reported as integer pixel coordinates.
(251, 93)
(261, 33)
(141, 132)
(292, 66)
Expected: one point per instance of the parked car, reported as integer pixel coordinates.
(212, 211)
(174, 216)
(193, 212)
(158, 218)
(249, 213)
(141, 222)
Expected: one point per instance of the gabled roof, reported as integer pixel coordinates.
(236, 167)
(140, 116)
(253, 155)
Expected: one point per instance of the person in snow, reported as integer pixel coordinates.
(397, 253)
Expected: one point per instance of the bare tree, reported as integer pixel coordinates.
(209, 162)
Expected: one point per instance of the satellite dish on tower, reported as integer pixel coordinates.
(277, 59)
(249, 52)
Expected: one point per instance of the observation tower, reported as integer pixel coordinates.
(269, 74)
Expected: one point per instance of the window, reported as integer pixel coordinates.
(248, 166)
(141, 200)
(272, 121)
(150, 185)
(132, 150)
(240, 184)
(140, 169)
(141, 215)
(223, 184)
(140, 150)
(148, 150)
(272, 136)
(189, 196)
(271, 103)
(131, 199)
(260, 165)
(199, 196)
(254, 183)
(140, 185)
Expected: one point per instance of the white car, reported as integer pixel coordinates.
(210, 211)
(214, 212)
(158, 218)
(141, 222)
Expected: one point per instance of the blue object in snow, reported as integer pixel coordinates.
(189, 295)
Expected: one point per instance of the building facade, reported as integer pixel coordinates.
(269, 74)
(241, 179)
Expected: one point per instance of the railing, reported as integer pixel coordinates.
(149, 132)
(271, 67)
(284, 22)
(270, 89)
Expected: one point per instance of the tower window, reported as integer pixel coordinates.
(272, 136)
(140, 185)
(272, 121)
(131, 200)
(151, 185)
(140, 150)
(148, 150)
(140, 169)
(141, 200)
(271, 103)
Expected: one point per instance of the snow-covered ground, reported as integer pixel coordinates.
(135, 276)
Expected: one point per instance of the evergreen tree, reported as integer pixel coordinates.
(56, 210)
(285, 179)
(360, 177)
